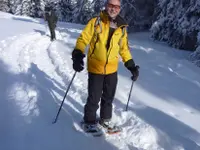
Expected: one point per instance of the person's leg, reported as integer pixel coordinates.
(95, 87)
(52, 31)
(109, 89)
(53, 34)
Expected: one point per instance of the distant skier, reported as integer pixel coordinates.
(51, 18)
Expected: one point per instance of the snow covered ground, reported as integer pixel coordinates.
(164, 110)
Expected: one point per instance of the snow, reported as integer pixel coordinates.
(164, 109)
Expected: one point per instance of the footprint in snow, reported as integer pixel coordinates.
(3, 43)
(173, 114)
(188, 110)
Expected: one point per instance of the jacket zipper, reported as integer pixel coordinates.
(107, 56)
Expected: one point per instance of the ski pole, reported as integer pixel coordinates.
(64, 98)
(129, 95)
(131, 90)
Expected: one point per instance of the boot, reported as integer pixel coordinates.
(92, 128)
(109, 126)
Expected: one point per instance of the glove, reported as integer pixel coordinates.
(77, 57)
(135, 73)
(134, 69)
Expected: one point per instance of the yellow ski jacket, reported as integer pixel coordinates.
(101, 60)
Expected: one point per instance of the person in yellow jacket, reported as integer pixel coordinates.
(107, 42)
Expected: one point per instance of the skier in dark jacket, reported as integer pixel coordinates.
(51, 18)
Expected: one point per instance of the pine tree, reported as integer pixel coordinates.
(66, 10)
(26, 7)
(178, 23)
(82, 11)
(138, 13)
(17, 8)
(5, 6)
(37, 8)
(128, 11)
(98, 6)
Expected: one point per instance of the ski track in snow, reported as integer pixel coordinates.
(139, 136)
(34, 48)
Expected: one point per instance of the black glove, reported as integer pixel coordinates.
(134, 69)
(135, 73)
(77, 57)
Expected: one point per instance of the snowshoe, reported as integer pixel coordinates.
(109, 127)
(92, 129)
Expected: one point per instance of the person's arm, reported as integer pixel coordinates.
(81, 43)
(85, 36)
(127, 58)
(125, 51)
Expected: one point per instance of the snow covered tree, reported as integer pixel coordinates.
(195, 56)
(77, 11)
(37, 8)
(17, 7)
(26, 7)
(82, 11)
(138, 13)
(128, 11)
(66, 10)
(5, 5)
(98, 6)
(33, 8)
(178, 23)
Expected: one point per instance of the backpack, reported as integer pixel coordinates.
(98, 23)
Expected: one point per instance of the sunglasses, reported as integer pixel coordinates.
(117, 7)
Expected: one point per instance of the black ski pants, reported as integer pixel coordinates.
(52, 31)
(101, 88)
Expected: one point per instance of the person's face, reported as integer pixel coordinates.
(113, 8)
